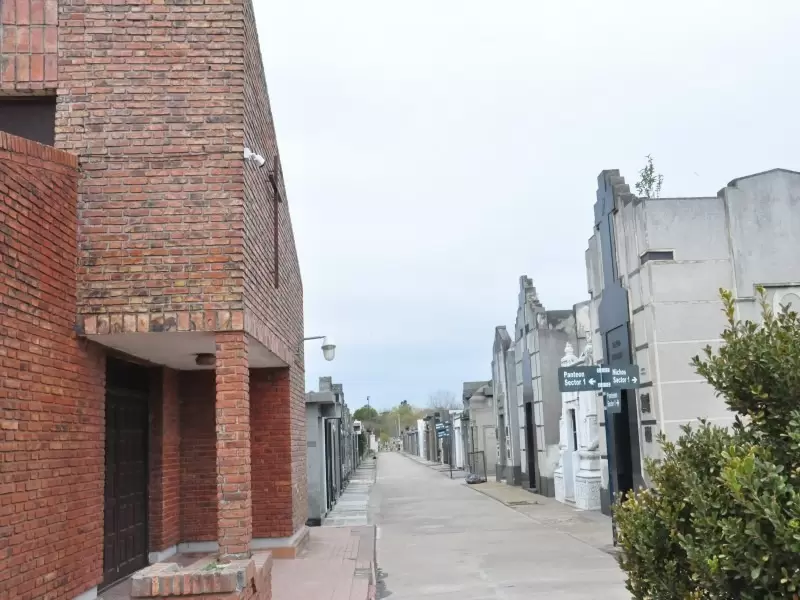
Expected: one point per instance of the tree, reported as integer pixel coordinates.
(649, 184)
(722, 519)
(366, 413)
(443, 400)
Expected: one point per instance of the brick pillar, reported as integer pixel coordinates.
(234, 502)
(165, 458)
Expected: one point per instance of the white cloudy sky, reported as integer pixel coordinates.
(435, 150)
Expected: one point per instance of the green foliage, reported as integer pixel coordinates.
(363, 443)
(649, 184)
(365, 413)
(722, 520)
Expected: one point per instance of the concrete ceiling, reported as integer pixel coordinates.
(178, 350)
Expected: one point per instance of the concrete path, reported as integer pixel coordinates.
(439, 539)
(351, 508)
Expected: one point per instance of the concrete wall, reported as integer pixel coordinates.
(422, 445)
(546, 341)
(482, 421)
(736, 240)
(315, 442)
(506, 407)
(764, 224)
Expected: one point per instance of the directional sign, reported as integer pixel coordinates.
(442, 434)
(612, 402)
(598, 378)
(625, 377)
(578, 379)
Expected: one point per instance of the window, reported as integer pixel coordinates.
(657, 255)
(574, 429)
(29, 117)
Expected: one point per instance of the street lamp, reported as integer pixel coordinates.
(328, 347)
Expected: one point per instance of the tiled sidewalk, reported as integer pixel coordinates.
(339, 561)
(337, 564)
(351, 508)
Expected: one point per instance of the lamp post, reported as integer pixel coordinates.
(328, 347)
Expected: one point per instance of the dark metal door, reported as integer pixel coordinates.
(329, 492)
(125, 536)
(530, 446)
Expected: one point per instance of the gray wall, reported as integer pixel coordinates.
(736, 240)
(315, 463)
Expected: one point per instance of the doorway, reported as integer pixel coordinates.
(501, 447)
(530, 444)
(329, 466)
(624, 443)
(126, 471)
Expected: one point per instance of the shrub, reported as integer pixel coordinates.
(722, 519)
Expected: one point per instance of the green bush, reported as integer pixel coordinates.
(722, 519)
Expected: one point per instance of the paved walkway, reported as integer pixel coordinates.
(440, 539)
(445, 469)
(339, 561)
(337, 564)
(351, 508)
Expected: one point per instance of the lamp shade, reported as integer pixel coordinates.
(328, 348)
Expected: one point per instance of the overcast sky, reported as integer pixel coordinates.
(436, 150)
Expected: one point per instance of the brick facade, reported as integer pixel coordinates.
(198, 457)
(159, 135)
(279, 307)
(165, 460)
(175, 233)
(232, 412)
(51, 399)
(270, 419)
(29, 45)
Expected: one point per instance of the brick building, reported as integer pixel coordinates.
(151, 305)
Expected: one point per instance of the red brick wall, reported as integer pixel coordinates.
(299, 448)
(270, 434)
(28, 45)
(232, 411)
(278, 309)
(52, 415)
(198, 457)
(151, 99)
(164, 523)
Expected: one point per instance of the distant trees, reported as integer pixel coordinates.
(391, 422)
(366, 413)
(443, 400)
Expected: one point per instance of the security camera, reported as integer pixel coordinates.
(256, 158)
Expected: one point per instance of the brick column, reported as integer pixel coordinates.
(234, 502)
(165, 458)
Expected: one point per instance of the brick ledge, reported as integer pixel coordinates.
(249, 579)
(201, 320)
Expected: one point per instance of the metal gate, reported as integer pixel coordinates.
(476, 463)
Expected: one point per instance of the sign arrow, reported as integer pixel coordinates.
(598, 378)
